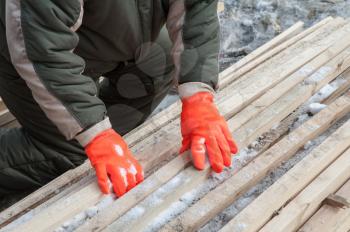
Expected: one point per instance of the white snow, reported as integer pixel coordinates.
(319, 75)
(314, 108)
(193, 196)
(311, 107)
(80, 218)
(314, 105)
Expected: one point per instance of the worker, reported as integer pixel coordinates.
(53, 55)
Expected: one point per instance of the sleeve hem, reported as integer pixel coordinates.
(190, 88)
(87, 136)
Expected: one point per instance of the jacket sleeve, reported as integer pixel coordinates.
(41, 39)
(193, 26)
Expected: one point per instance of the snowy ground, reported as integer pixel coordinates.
(247, 24)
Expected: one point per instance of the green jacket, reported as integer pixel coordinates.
(52, 42)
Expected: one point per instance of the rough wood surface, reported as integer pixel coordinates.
(225, 194)
(266, 51)
(173, 111)
(247, 93)
(166, 144)
(2, 105)
(255, 127)
(233, 73)
(192, 179)
(318, 68)
(11, 124)
(242, 93)
(256, 214)
(336, 201)
(177, 125)
(90, 197)
(329, 218)
(334, 68)
(6, 117)
(106, 218)
(138, 134)
(342, 89)
(283, 41)
(305, 204)
(194, 174)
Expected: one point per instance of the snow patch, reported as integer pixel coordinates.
(314, 108)
(80, 218)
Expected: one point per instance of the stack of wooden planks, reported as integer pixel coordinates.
(260, 94)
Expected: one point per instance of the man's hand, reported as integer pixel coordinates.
(203, 129)
(111, 158)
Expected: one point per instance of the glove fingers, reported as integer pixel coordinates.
(224, 147)
(198, 152)
(119, 180)
(186, 142)
(131, 181)
(102, 178)
(214, 153)
(137, 170)
(232, 144)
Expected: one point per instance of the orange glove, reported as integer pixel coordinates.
(111, 158)
(203, 129)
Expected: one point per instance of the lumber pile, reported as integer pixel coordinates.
(263, 94)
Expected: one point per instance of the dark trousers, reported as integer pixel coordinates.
(36, 153)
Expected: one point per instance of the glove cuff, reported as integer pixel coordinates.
(90, 134)
(200, 98)
(189, 89)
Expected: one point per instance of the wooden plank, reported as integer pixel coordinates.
(44, 193)
(147, 162)
(267, 50)
(270, 138)
(335, 66)
(272, 74)
(173, 111)
(221, 7)
(2, 105)
(336, 201)
(105, 218)
(225, 194)
(234, 72)
(259, 212)
(309, 200)
(318, 68)
(195, 178)
(329, 218)
(311, 43)
(279, 110)
(342, 89)
(11, 124)
(200, 177)
(242, 94)
(274, 113)
(290, 101)
(136, 135)
(69, 210)
(6, 117)
(89, 197)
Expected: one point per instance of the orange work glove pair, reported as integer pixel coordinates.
(112, 159)
(204, 130)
